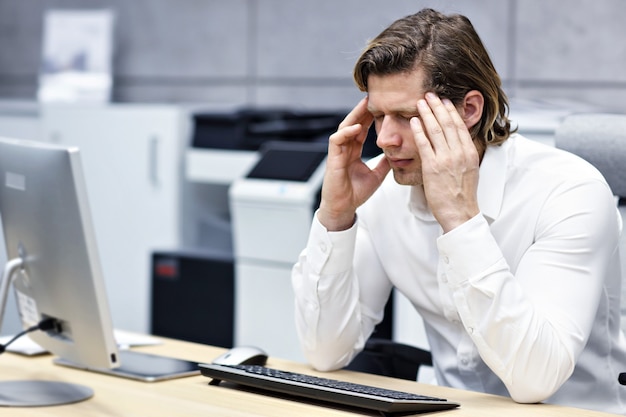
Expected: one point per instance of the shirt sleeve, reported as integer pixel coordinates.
(331, 321)
(530, 324)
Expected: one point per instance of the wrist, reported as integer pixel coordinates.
(452, 222)
(336, 223)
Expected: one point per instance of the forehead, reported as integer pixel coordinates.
(395, 92)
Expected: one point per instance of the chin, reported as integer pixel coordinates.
(403, 177)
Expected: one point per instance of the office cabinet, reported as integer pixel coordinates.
(20, 119)
(131, 158)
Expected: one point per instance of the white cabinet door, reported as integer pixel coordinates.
(132, 156)
(20, 119)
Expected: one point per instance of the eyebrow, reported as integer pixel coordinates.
(401, 110)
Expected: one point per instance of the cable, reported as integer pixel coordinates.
(45, 324)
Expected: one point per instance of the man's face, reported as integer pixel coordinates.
(393, 102)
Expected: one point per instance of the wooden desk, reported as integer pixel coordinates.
(192, 396)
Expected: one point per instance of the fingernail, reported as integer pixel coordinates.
(430, 95)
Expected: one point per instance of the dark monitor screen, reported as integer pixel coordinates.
(288, 163)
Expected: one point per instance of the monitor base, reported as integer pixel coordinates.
(35, 393)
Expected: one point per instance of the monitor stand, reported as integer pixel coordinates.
(34, 393)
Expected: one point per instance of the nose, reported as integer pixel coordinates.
(389, 133)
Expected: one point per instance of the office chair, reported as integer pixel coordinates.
(388, 358)
(600, 138)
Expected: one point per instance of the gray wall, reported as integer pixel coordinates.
(300, 52)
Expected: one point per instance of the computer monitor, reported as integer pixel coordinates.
(53, 265)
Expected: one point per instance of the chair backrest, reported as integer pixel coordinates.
(389, 358)
(600, 138)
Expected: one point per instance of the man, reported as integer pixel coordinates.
(506, 247)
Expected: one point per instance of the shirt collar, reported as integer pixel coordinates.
(490, 185)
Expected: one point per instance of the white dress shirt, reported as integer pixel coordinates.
(521, 300)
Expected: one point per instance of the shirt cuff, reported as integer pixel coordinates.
(330, 252)
(468, 251)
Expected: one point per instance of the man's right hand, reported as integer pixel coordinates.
(348, 181)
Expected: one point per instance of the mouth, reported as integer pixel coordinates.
(399, 162)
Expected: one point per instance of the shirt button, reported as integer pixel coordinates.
(446, 260)
(444, 278)
(323, 247)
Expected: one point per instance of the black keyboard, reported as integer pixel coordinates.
(329, 390)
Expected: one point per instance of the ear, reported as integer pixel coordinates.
(472, 109)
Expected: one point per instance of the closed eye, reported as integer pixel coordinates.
(409, 116)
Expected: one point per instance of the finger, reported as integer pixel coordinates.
(422, 141)
(431, 128)
(359, 114)
(347, 143)
(463, 133)
(443, 114)
(346, 134)
(381, 170)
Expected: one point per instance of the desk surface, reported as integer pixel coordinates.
(192, 396)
